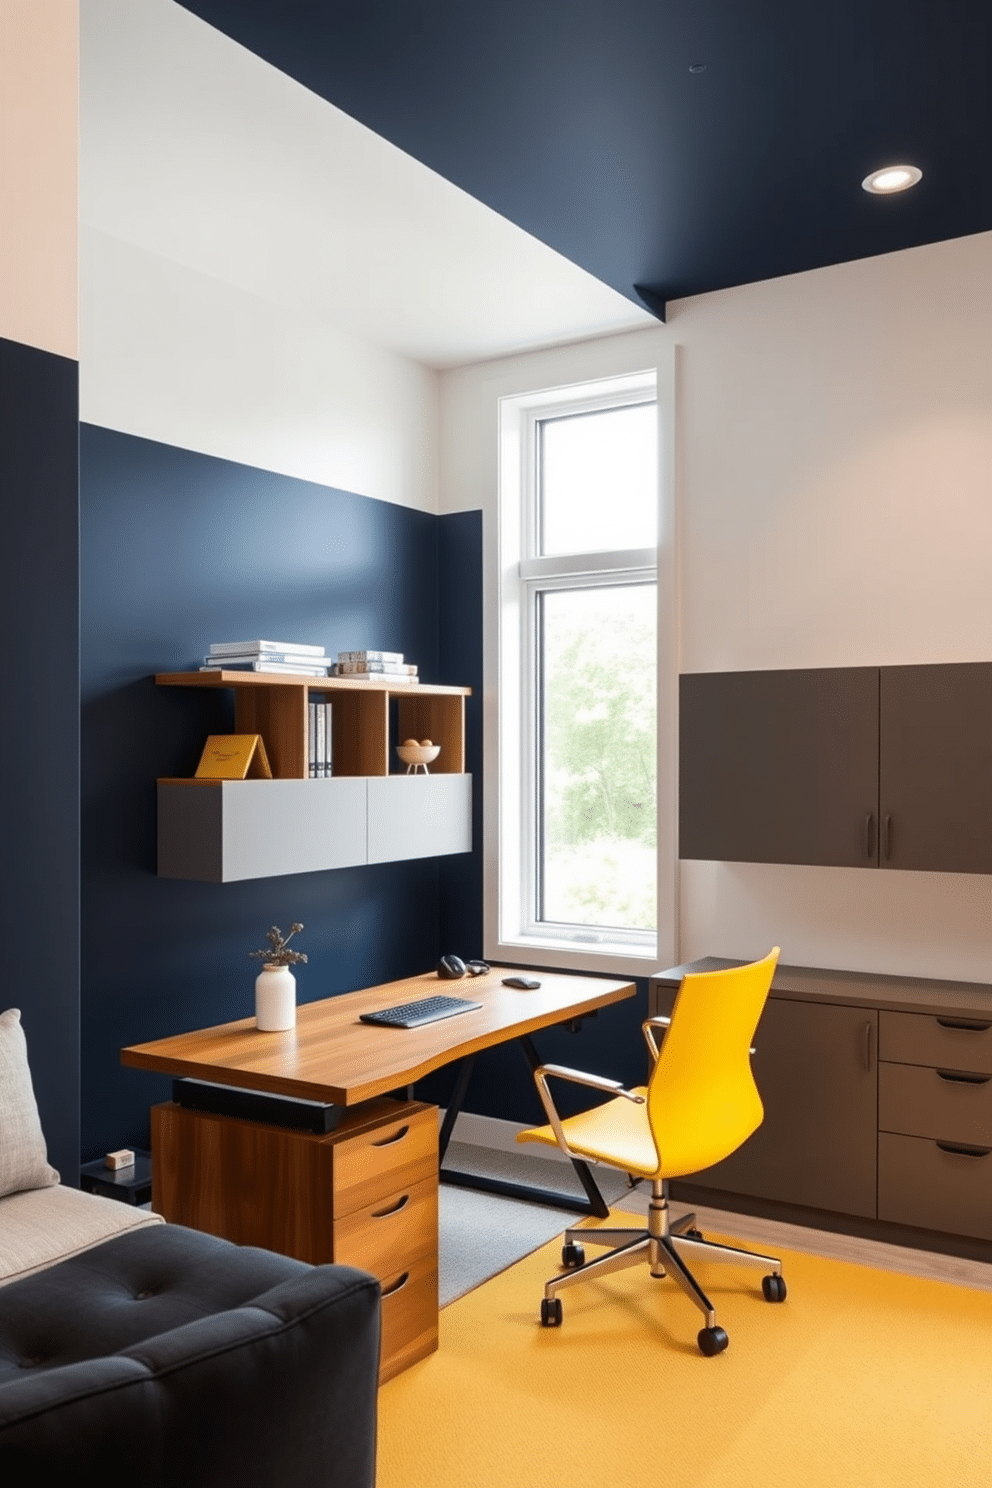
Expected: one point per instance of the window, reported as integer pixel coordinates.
(578, 665)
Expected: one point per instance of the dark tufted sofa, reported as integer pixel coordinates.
(167, 1356)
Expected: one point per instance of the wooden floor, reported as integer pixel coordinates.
(772, 1235)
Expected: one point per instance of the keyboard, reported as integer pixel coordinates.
(413, 1014)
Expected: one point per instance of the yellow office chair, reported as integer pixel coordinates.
(699, 1105)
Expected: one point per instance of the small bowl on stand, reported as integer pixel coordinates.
(417, 756)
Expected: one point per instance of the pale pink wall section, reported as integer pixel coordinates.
(39, 88)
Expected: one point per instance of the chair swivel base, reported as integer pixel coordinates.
(662, 1245)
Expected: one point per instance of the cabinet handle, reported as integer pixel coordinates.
(393, 1209)
(397, 1285)
(959, 1077)
(967, 1025)
(396, 1137)
(868, 1032)
(961, 1150)
(869, 834)
(887, 835)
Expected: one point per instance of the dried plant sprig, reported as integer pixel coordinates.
(276, 952)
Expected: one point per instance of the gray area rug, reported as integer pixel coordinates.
(481, 1234)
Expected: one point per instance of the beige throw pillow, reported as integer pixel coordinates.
(23, 1154)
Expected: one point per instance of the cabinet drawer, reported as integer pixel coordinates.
(390, 1233)
(409, 1316)
(921, 1102)
(942, 1040)
(387, 1160)
(919, 1183)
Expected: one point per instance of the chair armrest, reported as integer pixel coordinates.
(595, 1082)
(647, 1028)
(576, 1077)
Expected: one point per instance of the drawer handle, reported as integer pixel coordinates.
(961, 1150)
(394, 1209)
(968, 1025)
(397, 1285)
(960, 1078)
(389, 1141)
(869, 834)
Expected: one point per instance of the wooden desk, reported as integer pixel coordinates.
(366, 1193)
(331, 1056)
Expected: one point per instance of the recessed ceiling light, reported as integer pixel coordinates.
(697, 67)
(892, 178)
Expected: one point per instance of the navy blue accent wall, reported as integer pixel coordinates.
(180, 549)
(39, 740)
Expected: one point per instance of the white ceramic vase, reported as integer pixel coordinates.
(275, 999)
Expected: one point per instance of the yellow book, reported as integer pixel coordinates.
(234, 757)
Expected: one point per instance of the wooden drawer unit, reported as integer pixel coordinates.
(364, 1195)
(946, 1104)
(942, 1040)
(935, 1185)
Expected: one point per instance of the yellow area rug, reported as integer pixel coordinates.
(860, 1379)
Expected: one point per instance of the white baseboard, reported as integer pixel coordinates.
(499, 1135)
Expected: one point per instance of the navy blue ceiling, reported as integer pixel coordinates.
(678, 145)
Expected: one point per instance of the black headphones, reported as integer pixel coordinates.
(450, 968)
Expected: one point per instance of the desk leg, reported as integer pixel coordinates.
(593, 1203)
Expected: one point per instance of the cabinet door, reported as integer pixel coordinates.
(816, 1068)
(780, 767)
(935, 777)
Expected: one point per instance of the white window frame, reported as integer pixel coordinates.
(511, 935)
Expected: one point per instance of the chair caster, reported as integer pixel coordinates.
(692, 1234)
(550, 1312)
(572, 1255)
(773, 1288)
(712, 1341)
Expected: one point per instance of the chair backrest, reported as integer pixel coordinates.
(702, 1099)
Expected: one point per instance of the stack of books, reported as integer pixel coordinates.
(267, 656)
(376, 666)
(319, 746)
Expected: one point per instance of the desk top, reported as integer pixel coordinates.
(331, 1056)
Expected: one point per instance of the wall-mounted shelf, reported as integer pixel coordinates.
(223, 830)
(274, 705)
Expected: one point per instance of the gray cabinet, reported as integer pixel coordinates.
(839, 766)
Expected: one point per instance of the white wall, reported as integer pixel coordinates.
(174, 355)
(39, 48)
(835, 510)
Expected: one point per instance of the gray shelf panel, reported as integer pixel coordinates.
(242, 829)
(418, 816)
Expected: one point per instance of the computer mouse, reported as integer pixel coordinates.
(450, 968)
(527, 984)
(477, 968)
